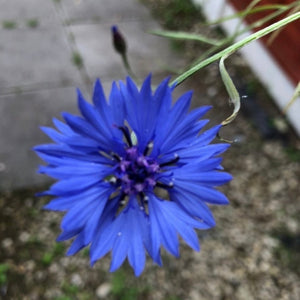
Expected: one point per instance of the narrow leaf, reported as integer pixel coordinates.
(255, 36)
(180, 35)
(247, 12)
(231, 90)
(293, 99)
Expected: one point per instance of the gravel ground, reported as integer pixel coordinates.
(252, 253)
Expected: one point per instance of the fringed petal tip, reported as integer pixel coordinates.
(47, 206)
(42, 194)
(38, 148)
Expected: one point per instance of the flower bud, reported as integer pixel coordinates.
(118, 40)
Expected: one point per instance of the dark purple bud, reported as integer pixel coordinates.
(118, 40)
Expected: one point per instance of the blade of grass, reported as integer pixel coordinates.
(235, 47)
(180, 35)
(231, 90)
(259, 23)
(293, 99)
(247, 12)
(268, 18)
(275, 34)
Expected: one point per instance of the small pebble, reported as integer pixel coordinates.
(76, 280)
(103, 290)
(24, 237)
(29, 265)
(7, 243)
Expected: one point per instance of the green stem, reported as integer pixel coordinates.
(235, 47)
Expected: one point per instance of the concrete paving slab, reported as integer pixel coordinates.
(87, 11)
(33, 56)
(146, 53)
(21, 118)
(21, 12)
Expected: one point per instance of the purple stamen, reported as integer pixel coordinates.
(136, 173)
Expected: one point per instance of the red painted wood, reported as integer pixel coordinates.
(285, 48)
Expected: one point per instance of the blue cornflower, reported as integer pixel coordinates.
(133, 173)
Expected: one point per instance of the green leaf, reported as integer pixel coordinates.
(247, 12)
(293, 99)
(180, 35)
(3, 273)
(231, 90)
(236, 46)
(260, 22)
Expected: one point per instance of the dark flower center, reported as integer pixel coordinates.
(136, 172)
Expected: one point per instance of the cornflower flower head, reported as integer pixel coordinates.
(133, 173)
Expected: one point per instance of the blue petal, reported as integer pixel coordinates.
(201, 153)
(163, 96)
(175, 116)
(69, 171)
(183, 224)
(130, 227)
(87, 234)
(207, 136)
(204, 193)
(77, 244)
(77, 216)
(105, 237)
(69, 201)
(193, 206)
(147, 115)
(161, 231)
(117, 108)
(62, 154)
(82, 127)
(99, 99)
(139, 226)
(121, 244)
(212, 178)
(82, 143)
(131, 102)
(62, 127)
(167, 218)
(93, 116)
(53, 134)
(187, 129)
(73, 185)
